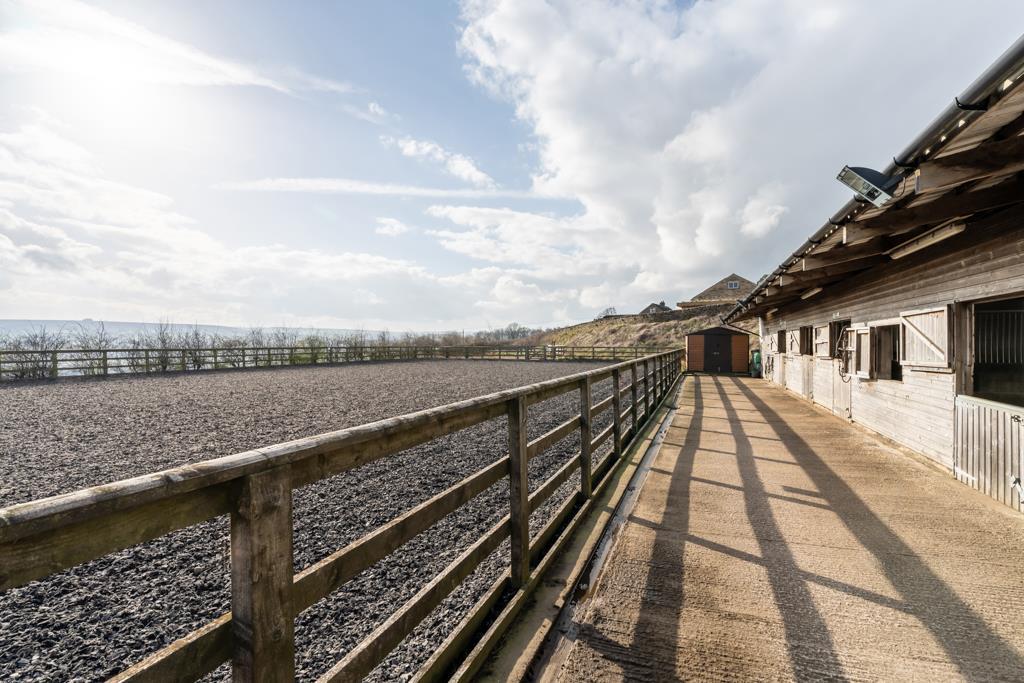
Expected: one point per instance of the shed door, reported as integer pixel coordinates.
(717, 353)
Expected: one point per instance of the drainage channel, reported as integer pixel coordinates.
(566, 628)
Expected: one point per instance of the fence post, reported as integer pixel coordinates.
(617, 418)
(53, 364)
(104, 361)
(146, 359)
(646, 390)
(261, 578)
(633, 396)
(586, 486)
(519, 488)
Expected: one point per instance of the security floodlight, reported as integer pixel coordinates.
(869, 183)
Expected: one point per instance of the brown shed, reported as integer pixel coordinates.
(718, 349)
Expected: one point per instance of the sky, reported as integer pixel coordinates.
(427, 166)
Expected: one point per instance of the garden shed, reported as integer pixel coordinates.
(718, 349)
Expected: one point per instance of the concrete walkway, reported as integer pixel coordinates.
(772, 541)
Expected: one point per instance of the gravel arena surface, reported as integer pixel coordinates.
(92, 621)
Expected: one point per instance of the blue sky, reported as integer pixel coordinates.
(430, 166)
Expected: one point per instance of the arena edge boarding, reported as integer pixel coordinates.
(27, 365)
(42, 537)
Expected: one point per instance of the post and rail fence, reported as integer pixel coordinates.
(42, 537)
(50, 364)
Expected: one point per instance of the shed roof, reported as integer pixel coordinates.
(718, 330)
(964, 167)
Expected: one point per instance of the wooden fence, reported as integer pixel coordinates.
(18, 364)
(42, 537)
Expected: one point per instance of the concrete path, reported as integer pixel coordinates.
(772, 541)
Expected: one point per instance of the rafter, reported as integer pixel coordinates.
(949, 206)
(995, 157)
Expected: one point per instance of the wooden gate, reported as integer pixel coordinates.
(989, 448)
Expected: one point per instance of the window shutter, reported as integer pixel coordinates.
(926, 338)
(821, 345)
(862, 358)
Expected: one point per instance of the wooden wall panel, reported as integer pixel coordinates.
(695, 353)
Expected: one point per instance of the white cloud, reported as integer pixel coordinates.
(372, 113)
(457, 165)
(74, 243)
(73, 38)
(391, 227)
(351, 186)
(701, 138)
(763, 212)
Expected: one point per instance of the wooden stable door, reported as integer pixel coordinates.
(842, 392)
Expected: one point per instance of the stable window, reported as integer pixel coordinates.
(822, 344)
(794, 342)
(733, 284)
(780, 341)
(999, 351)
(806, 340)
(836, 332)
(887, 352)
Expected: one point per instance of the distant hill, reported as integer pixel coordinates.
(659, 329)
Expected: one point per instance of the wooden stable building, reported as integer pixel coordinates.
(908, 317)
(718, 349)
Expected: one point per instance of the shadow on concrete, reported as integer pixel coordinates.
(812, 653)
(967, 639)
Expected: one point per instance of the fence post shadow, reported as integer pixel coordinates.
(965, 636)
(812, 652)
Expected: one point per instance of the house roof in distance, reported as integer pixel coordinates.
(721, 291)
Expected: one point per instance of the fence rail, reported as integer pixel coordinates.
(20, 364)
(46, 536)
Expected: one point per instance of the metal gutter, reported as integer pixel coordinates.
(970, 104)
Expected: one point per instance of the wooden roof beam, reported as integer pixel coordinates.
(854, 234)
(995, 157)
(949, 206)
(843, 255)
